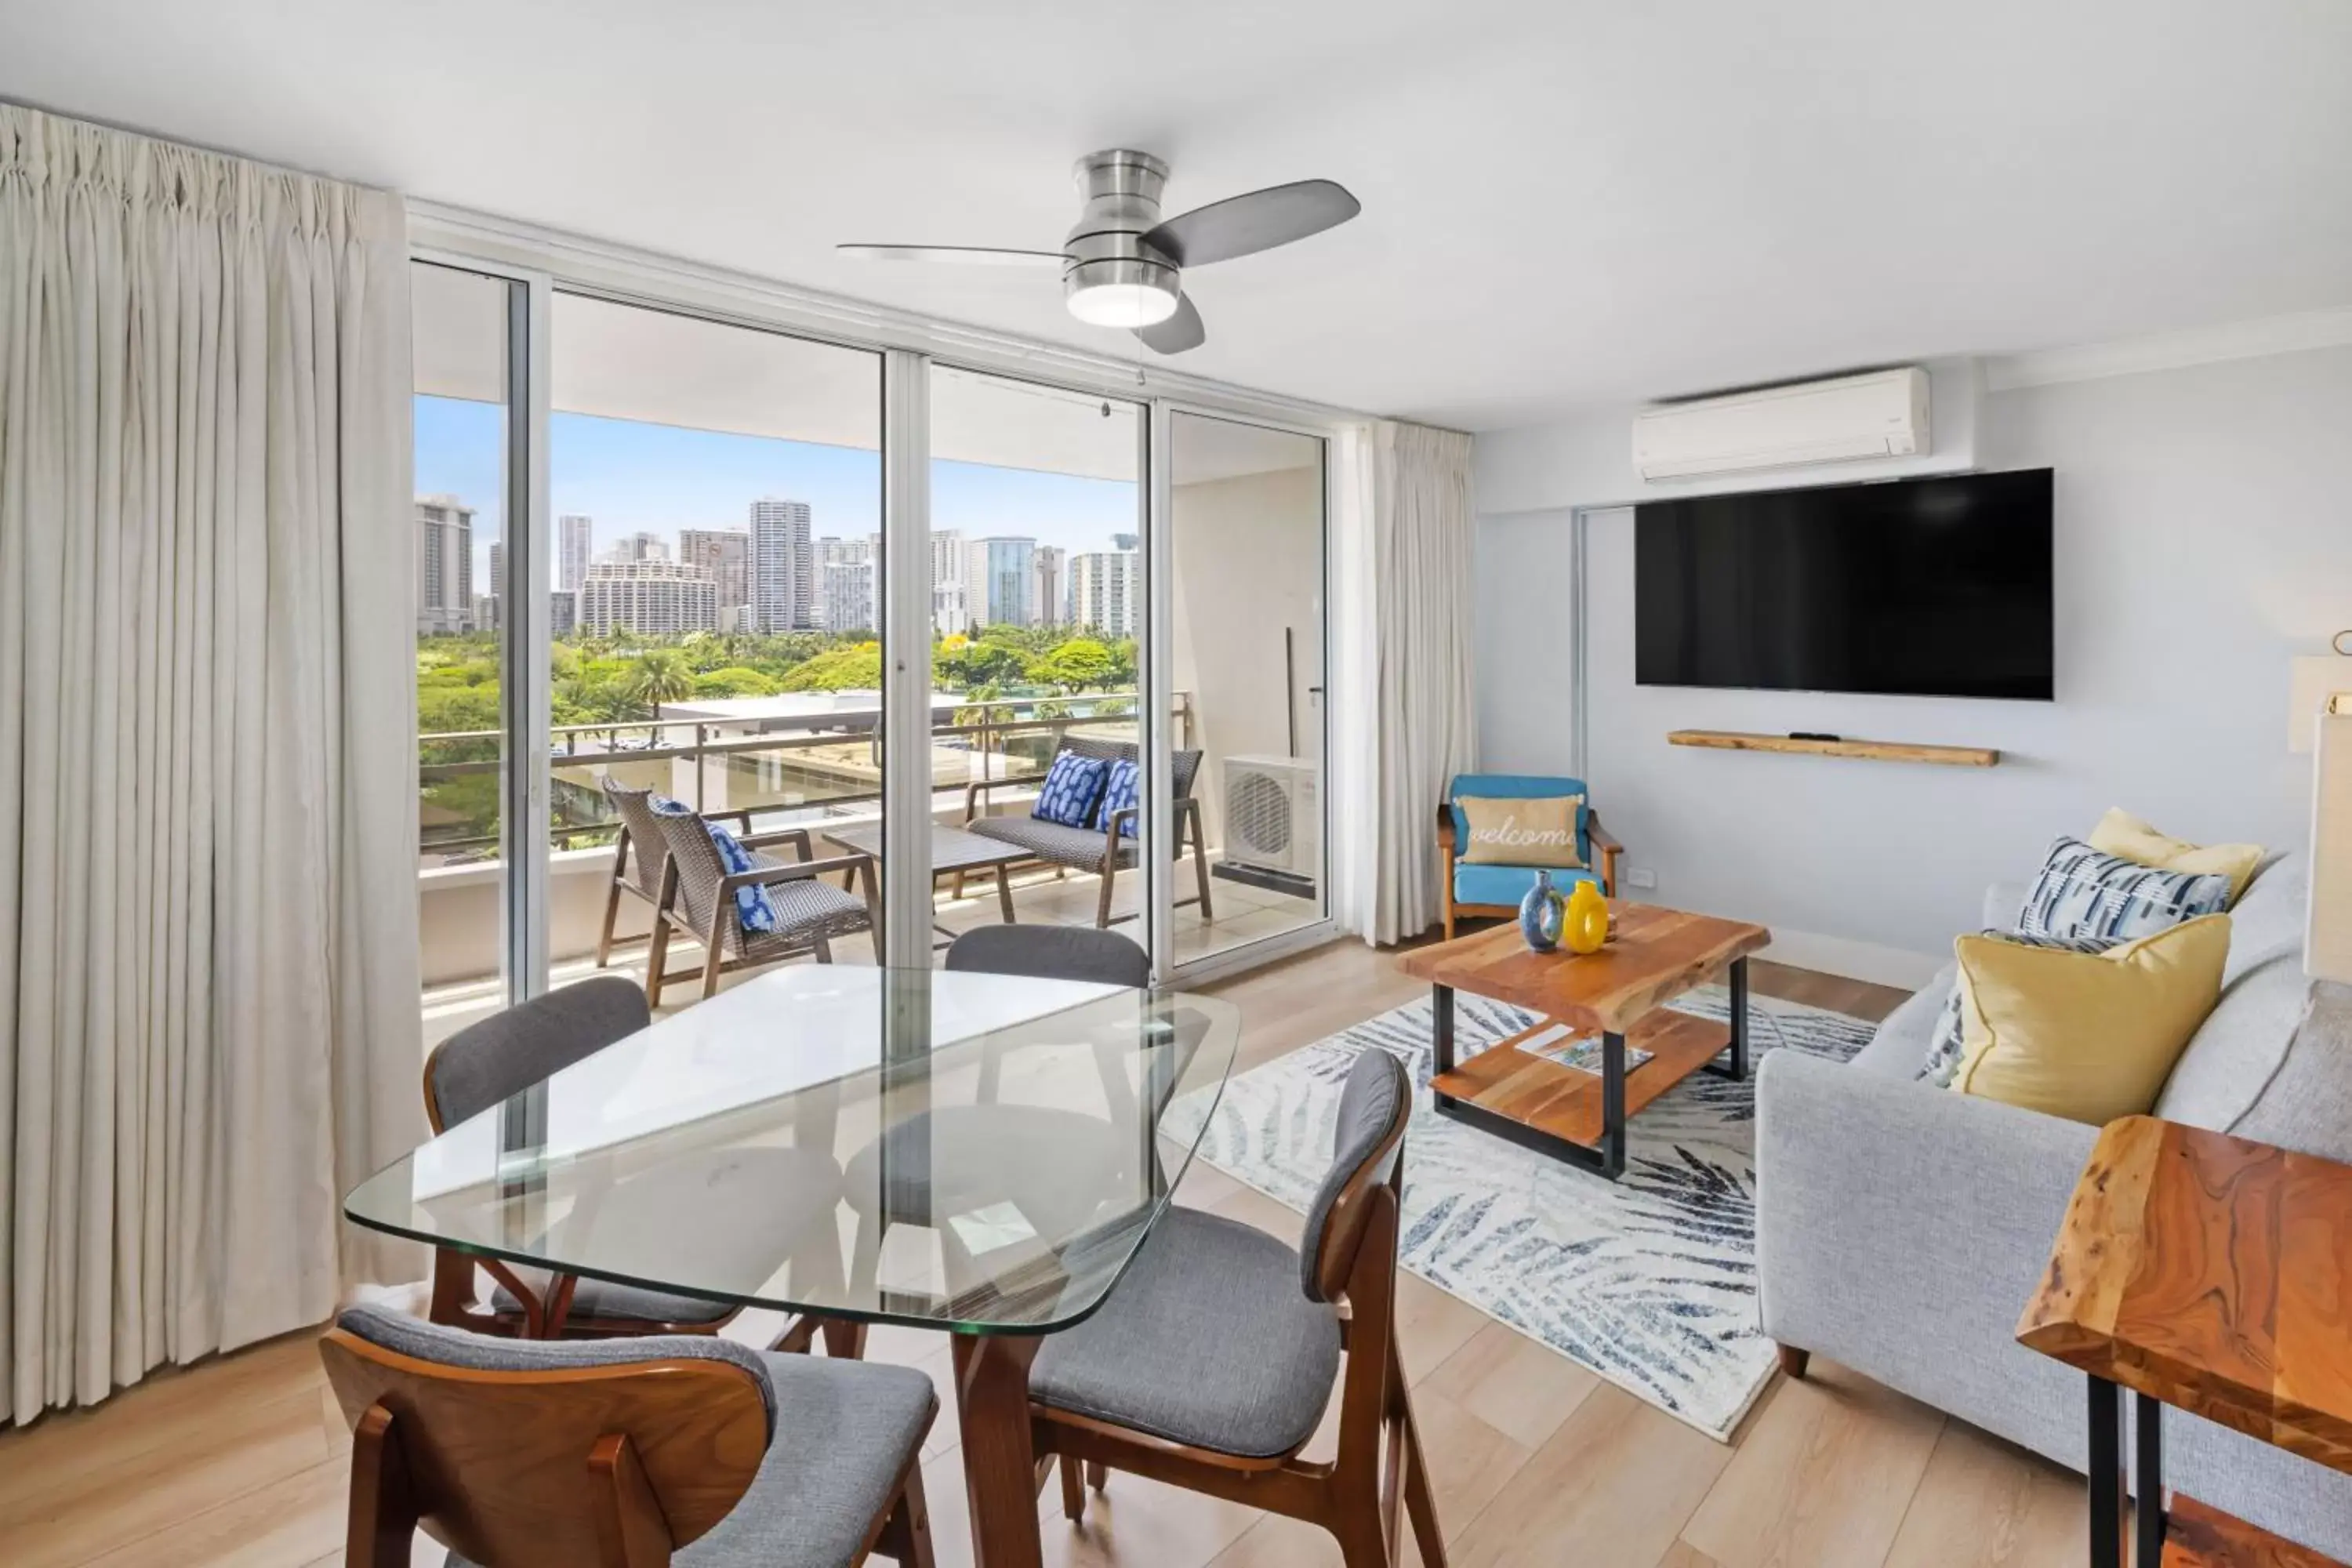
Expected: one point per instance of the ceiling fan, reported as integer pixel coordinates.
(1122, 263)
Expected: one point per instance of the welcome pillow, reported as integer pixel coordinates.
(1538, 832)
(2089, 1036)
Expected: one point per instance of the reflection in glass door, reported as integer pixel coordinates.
(466, 490)
(1247, 642)
(1037, 610)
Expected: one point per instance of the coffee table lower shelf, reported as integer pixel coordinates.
(1569, 1114)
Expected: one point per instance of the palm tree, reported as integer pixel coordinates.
(659, 675)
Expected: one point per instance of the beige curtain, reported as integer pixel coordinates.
(207, 787)
(1404, 706)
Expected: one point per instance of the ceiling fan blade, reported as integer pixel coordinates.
(1180, 332)
(979, 255)
(1258, 221)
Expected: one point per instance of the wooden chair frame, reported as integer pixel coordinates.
(1379, 1470)
(614, 1467)
(855, 868)
(1605, 851)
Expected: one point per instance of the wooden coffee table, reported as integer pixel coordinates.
(1622, 992)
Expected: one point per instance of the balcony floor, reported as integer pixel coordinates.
(1245, 913)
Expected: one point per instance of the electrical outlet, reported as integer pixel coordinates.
(1641, 877)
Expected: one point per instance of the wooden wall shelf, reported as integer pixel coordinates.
(1871, 751)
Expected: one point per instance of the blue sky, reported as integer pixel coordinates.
(658, 479)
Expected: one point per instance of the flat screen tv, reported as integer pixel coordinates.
(1935, 587)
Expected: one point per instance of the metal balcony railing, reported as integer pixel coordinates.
(819, 763)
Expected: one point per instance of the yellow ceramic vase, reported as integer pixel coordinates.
(1587, 926)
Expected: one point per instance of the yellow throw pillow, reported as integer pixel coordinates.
(2125, 837)
(2086, 1036)
(1540, 832)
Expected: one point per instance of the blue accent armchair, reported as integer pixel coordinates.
(1495, 890)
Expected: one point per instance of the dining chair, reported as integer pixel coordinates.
(1046, 953)
(1213, 1360)
(488, 1062)
(687, 1449)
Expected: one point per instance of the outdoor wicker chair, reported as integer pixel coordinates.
(639, 875)
(1106, 850)
(697, 897)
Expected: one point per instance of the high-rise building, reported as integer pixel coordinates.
(638, 546)
(445, 567)
(563, 610)
(845, 601)
(651, 598)
(1049, 596)
(1107, 591)
(949, 616)
(575, 538)
(1130, 543)
(783, 565)
(834, 552)
(498, 583)
(1000, 580)
(726, 554)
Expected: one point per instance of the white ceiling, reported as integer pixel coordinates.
(1565, 203)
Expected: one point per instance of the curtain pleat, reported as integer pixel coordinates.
(208, 786)
(1405, 714)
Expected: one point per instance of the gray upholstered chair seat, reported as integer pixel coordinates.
(1041, 1160)
(1062, 845)
(840, 1433)
(1206, 1341)
(604, 1299)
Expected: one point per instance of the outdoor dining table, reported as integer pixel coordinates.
(822, 1139)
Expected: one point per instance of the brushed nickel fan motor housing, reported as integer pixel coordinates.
(1121, 189)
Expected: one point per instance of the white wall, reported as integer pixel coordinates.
(2203, 536)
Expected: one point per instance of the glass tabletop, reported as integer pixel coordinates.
(981, 1153)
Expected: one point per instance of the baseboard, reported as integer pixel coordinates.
(1854, 960)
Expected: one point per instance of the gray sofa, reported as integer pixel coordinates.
(1900, 1227)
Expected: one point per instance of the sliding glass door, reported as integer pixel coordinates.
(1245, 640)
(470, 469)
(660, 552)
(1036, 527)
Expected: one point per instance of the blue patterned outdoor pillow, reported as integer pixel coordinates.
(753, 911)
(1072, 785)
(1122, 792)
(2084, 891)
(1944, 1055)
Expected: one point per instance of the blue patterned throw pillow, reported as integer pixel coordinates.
(1123, 791)
(1944, 1056)
(1072, 787)
(753, 910)
(2083, 892)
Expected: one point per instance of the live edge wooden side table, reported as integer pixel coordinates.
(2213, 1275)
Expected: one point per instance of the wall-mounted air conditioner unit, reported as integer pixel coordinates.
(1881, 414)
(1274, 818)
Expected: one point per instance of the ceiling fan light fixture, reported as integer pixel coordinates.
(1124, 292)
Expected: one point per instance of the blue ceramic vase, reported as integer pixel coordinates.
(1542, 915)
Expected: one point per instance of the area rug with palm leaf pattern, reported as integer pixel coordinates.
(1649, 1281)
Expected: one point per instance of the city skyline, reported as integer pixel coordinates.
(631, 476)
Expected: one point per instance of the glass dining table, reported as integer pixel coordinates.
(980, 1154)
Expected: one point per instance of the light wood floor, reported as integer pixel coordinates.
(242, 1459)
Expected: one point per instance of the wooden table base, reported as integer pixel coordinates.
(1001, 1477)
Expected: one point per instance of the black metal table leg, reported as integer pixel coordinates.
(1613, 1105)
(1736, 1067)
(2107, 1477)
(1441, 1016)
(2148, 1514)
